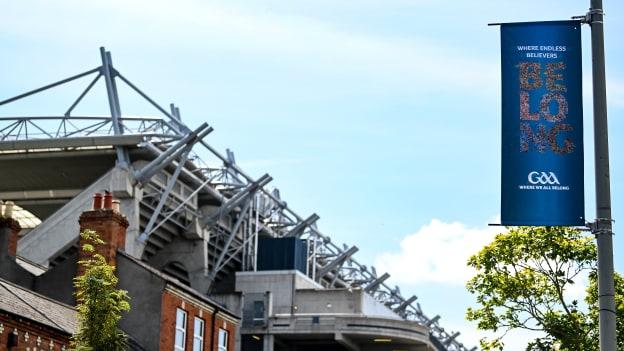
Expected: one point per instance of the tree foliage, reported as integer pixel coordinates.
(521, 283)
(100, 303)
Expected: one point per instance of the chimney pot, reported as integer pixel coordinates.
(97, 201)
(116, 205)
(108, 200)
(8, 209)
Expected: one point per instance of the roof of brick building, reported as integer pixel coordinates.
(16, 300)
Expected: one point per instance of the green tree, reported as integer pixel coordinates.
(100, 303)
(521, 280)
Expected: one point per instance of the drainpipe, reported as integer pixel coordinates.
(212, 335)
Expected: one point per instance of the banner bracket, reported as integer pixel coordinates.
(588, 18)
(601, 226)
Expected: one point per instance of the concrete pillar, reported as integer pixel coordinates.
(268, 342)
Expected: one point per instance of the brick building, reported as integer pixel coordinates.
(32, 321)
(166, 314)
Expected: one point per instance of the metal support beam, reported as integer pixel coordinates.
(432, 321)
(109, 59)
(448, 341)
(217, 266)
(49, 86)
(301, 226)
(181, 127)
(335, 278)
(200, 187)
(173, 152)
(81, 96)
(231, 256)
(401, 308)
(165, 195)
(113, 103)
(336, 262)
(175, 112)
(235, 200)
(376, 283)
(194, 179)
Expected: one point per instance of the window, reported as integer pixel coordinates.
(258, 313)
(223, 340)
(198, 335)
(180, 331)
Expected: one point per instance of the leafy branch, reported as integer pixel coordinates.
(100, 303)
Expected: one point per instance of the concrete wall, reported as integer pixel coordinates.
(190, 253)
(281, 284)
(302, 281)
(145, 290)
(372, 307)
(57, 283)
(61, 229)
(293, 292)
(9, 269)
(341, 301)
(231, 302)
(335, 301)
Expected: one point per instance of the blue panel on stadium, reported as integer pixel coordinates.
(281, 254)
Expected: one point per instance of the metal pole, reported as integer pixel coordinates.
(113, 103)
(255, 252)
(602, 228)
(108, 78)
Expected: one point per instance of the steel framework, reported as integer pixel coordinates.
(247, 207)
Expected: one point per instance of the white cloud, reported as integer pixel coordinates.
(437, 253)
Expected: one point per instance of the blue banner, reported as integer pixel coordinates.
(542, 127)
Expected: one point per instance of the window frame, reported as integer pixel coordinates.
(182, 330)
(201, 336)
(226, 334)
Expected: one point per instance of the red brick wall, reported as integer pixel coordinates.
(231, 329)
(111, 227)
(34, 330)
(15, 228)
(170, 303)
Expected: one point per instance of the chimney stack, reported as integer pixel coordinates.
(105, 219)
(9, 230)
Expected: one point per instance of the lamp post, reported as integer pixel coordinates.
(602, 228)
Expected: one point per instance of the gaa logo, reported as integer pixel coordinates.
(543, 178)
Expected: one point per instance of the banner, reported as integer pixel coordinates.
(542, 127)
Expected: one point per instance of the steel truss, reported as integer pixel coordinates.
(247, 208)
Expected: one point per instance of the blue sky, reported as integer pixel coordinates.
(381, 116)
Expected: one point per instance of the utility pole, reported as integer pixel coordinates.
(602, 228)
